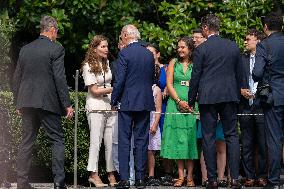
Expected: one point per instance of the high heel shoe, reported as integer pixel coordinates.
(190, 183)
(97, 182)
(112, 181)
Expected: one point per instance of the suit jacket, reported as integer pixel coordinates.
(244, 103)
(39, 80)
(113, 69)
(276, 44)
(217, 72)
(134, 79)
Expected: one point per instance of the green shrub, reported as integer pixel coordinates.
(42, 156)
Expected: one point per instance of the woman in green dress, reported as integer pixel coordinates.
(179, 136)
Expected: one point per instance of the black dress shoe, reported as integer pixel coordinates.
(140, 184)
(235, 184)
(123, 184)
(59, 186)
(151, 181)
(272, 186)
(211, 185)
(167, 180)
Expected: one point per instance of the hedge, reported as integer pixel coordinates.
(42, 155)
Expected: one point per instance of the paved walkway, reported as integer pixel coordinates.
(50, 186)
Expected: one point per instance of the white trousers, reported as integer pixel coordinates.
(101, 127)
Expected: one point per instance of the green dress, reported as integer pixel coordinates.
(179, 135)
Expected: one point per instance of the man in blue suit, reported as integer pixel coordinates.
(132, 93)
(271, 50)
(215, 79)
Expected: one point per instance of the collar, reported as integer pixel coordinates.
(44, 37)
(134, 41)
(275, 34)
(213, 34)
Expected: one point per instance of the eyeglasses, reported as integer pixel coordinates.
(197, 37)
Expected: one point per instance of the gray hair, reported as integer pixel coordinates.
(132, 31)
(47, 22)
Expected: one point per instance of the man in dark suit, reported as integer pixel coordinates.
(271, 49)
(133, 94)
(41, 96)
(252, 126)
(216, 81)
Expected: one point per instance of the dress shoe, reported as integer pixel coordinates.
(235, 184)
(261, 182)
(272, 186)
(123, 184)
(140, 184)
(151, 181)
(211, 185)
(167, 180)
(59, 186)
(249, 183)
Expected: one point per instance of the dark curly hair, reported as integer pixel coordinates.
(91, 56)
(189, 43)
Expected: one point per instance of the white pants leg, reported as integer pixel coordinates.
(110, 122)
(96, 123)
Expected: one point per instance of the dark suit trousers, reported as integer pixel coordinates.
(253, 137)
(228, 115)
(274, 122)
(32, 119)
(140, 121)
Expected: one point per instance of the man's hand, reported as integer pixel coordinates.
(246, 93)
(69, 112)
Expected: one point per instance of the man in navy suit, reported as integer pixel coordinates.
(132, 93)
(272, 48)
(252, 126)
(215, 79)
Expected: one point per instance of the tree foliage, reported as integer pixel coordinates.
(6, 30)
(160, 22)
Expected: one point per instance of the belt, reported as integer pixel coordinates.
(184, 83)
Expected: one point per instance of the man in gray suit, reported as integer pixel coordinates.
(41, 96)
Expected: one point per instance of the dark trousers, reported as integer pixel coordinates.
(274, 122)
(208, 117)
(32, 119)
(253, 137)
(141, 122)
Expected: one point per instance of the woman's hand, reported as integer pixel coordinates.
(153, 129)
(184, 106)
(165, 93)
